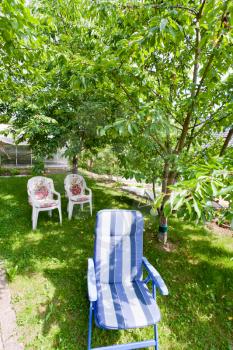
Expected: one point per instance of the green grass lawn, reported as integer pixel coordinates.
(48, 272)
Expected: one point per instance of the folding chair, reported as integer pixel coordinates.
(118, 294)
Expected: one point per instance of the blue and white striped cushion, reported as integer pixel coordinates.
(121, 306)
(118, 246)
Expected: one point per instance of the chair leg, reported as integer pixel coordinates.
(156, 337)
(70, 210)
(50, 213)
(81, 206)
(60, 215)
(91, 207)
(90, 327)
(34, 218)
(33, 214)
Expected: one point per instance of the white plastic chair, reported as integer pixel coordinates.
(75, 187)
(41, 197)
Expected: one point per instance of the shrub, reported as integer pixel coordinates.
(38, 168)
(9, 171)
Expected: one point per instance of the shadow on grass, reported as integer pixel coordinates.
(196, 314)
(199, 273)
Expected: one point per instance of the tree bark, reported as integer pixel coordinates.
(187, 120)
(153, 184)
(75, 164)
(169, 177)
(162, 231)
(163, 228)
(165, 176)
(226, 142)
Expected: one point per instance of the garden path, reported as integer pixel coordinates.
(8, 327)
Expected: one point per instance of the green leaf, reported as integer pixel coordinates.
(226, 190)
(196, 208)
(167, 209)
(214, 189)
(163, 24)
(179, 202)
(158, 201)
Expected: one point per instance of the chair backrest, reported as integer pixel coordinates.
(40, 187)
(75, 184)
(118, 246)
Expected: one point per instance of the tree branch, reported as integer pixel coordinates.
(194, 95)
(179, 7)
(199, 14)
(203, 126)
(226, 142)
(157, 140)
(184, 132)
(211, 57)
(209, 119)
(126, 92)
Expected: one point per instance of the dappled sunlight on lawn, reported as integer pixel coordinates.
(48, 268)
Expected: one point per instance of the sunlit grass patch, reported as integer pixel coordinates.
(48, 273)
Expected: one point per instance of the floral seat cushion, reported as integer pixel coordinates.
(41, 192)
(75, 189)
(45, 203)
(48, 203)
(81, 198)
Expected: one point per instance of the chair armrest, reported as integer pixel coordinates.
(57, 194)
(67, 190)
(155, 277)
(91, 281)
(89, 190)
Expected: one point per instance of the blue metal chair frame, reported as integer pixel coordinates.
(157, 282)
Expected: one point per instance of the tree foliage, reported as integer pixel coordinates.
(153, 79)
(171, 66)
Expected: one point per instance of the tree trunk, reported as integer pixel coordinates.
(75, 164)
(162, 232)
(163, 228)
(169, 177)
(153, 184)
(90, 164)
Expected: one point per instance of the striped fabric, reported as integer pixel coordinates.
(121, 306)
(123, 299)
(118, 246)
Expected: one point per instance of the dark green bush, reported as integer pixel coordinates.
(9, 171)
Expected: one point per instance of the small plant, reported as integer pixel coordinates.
(11, 272)
(14, 171)
(2, 171)
(50, 312)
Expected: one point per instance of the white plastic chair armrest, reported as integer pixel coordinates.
(57, 194)
(89, 190)
(67, 190)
